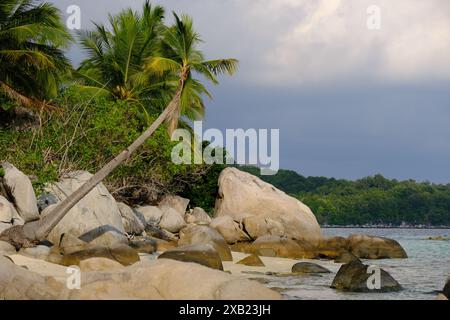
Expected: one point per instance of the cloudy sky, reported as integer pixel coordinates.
(349, 101)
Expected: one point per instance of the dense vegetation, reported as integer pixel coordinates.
(372, 200)
(135, 66)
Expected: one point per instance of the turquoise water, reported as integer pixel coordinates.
(421, 275)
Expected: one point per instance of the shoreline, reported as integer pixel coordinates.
(388, 227)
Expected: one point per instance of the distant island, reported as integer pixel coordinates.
(369, 202)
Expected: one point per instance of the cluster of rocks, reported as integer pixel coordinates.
(250, 216)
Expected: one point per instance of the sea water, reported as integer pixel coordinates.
(422, 275)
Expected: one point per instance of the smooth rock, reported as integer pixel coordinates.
(201, 216)
(367, 247)
(332, 247)
(17, 283)
(229, 229)
(252, 261)
(308, 267)
(272, 246)
(121, 253)
(149, 214)
(354, 277)
(177, 203)
(257, 226)
(131, 223)
(197, 234)
(172, 280)
(8, 215)
(171, 220)
(96, 218)
(6, 248)
(346, 257)
(242, 194)
(99, 264)
(19, 187)
(39, 252)
(204, 254)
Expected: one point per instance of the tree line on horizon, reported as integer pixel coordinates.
(373, 200)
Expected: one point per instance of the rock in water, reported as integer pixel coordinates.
(204, 254)
(229, 229)
(252, 261)
(446, 291)
(367, 247)
(177, 203)
(195, 234)
(308, 267)
(21, 190)
(131, 223)
(243, 195)
(171, 220)
(8, 215)
(354, 277)
(95, 219)
(271, 246)
(346, 257)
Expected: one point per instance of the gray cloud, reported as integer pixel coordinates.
(349, 102)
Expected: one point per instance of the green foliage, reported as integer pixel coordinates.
(2, 172)
(85, 135)
(32, 63)
(372, 200)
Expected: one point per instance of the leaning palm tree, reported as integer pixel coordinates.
(32, 63)
(183, 59)
(116, 56)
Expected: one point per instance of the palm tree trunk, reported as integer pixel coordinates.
(39, 230)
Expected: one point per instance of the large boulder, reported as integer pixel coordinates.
(171, 220)
(204, 254)
(95, 219)
(177, 203)
(197, 234)
(149, 280)
(273, 246)
(19, 187)
(99, 264)
(121, 253)
(131, 222)
(354, 277)
(257, 226)
(149, 214)
(242, 194)
(229, 229)
(17, 283)
(332, 247)
(367, 247)
(8, 215)
(171, 280)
